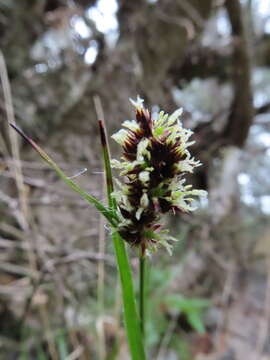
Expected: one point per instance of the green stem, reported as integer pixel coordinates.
(130, 310)
(131, 318)
(142, 292)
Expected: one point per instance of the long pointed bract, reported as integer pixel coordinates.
(109, 215)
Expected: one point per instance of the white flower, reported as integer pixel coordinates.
(120, 136)
(144, 176)
(137, 103)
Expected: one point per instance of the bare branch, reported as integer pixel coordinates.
(242, 112)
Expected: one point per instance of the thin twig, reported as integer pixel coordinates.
(242, 111)
(75, 342)
(192, 13)
(264, 324)
(182, 22)
(166, 339)
(227, 291)
(49, 267)
(48, 332)
(17, 269)
(17, 169)
(3, 146)
(23, 214)
(76, 353)
(12, 230)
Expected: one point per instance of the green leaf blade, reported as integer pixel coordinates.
(109, 215)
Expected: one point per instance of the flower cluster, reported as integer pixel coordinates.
(154, 162)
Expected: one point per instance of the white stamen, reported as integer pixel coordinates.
(137, 103)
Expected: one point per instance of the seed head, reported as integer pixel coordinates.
(154, 162)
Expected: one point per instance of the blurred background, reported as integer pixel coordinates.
(59, 297)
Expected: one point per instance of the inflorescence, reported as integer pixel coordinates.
(154, 162)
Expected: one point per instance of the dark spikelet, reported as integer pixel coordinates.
(133, 138)
(144, 119)
(130, 147)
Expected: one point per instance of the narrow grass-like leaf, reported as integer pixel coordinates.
(114, 351)
(40, 353)
(108, 213)
(192, 308)
(132, 322)
(62, 346)
(196, 321)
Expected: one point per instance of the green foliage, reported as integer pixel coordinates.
(162, 304)
(40, 354)
(182, 348)
(62, 345)
(37, 351)
(192, 308)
